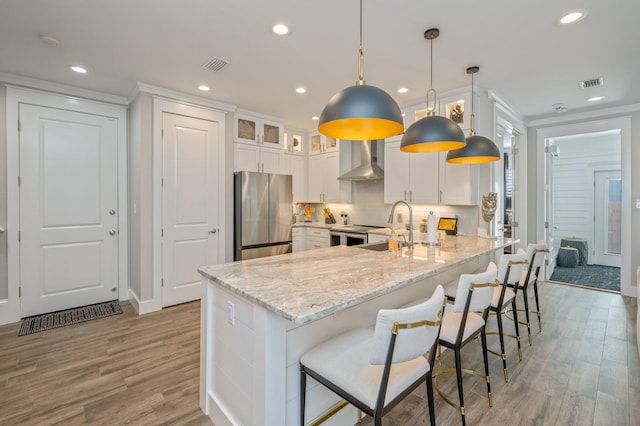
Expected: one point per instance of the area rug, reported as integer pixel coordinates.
(44, 322)
(596, 276)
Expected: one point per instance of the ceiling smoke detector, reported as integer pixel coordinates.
(559, 107)
(215, 64)
(592, 82)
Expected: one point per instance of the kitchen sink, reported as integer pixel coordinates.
(381, 246)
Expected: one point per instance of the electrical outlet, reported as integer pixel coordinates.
(231, 309)
(400, 217)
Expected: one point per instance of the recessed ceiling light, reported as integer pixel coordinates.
(280, 29)
(403, 90)
(78, 69)
(315, 117)
(301, 90)
(595, 98)
(573, 16)
(204, 88)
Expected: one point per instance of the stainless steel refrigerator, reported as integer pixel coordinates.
(262, 215)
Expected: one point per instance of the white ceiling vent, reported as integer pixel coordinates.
(215, 64)
(592, 82)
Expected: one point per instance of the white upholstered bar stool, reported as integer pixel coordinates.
(374, 369)
(510, 269)
(462, 322)
(535, 254)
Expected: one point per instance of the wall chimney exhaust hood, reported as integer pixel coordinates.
(368, 168)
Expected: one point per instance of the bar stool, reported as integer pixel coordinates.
(464, 321)
(375, 369)
(536, 254)
(509, 272)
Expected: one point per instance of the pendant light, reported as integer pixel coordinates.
(479, 149)
(432, 133)
(361, 112)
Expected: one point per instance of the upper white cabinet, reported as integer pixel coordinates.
(294, 142)
(427, 178)
(295, 166)
(255, 158)
(319, 144)
(254, 130)
(324, 185)
(410, 177)
(259, 144)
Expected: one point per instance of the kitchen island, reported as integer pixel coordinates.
(259, 316)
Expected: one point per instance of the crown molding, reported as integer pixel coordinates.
(179, 96)
(63, 89)
(580, 116)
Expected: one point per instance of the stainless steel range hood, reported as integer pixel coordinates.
(368, 168)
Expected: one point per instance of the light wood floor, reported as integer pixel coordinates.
(583, 369)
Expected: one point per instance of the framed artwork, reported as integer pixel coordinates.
(455, 111)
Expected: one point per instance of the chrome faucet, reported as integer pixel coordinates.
(393, 209)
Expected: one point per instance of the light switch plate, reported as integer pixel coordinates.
(637, 204)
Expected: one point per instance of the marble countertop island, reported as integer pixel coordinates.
(310, 285)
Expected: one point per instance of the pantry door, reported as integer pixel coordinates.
(190, 198)
(68, 190)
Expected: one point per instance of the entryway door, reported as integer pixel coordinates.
(68, 209)
(190, 195)
(607, 218)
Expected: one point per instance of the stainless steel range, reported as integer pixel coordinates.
(350, 235)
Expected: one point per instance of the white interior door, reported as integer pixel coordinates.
(190, 198)
(68, 209)
(607, 209)
(548, 209)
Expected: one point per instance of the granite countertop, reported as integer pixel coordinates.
(309, 285)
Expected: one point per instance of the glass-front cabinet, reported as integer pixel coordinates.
(255, 130)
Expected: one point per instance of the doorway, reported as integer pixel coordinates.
(584, 195)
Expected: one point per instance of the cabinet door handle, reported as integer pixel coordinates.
(411, 196)
(405, 195)
(440, 199)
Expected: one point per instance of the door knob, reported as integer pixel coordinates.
(112, 232)
(112, 212)
(213, 231)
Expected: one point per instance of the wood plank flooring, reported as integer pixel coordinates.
(583, 369)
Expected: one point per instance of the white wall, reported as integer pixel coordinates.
(4, 286)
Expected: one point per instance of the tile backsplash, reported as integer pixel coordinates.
(368, 208)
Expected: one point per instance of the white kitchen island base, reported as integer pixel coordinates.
(249, 367)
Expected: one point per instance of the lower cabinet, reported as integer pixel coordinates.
(318, 238)
(376, 238)
(298, 239)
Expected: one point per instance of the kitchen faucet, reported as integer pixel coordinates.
(393, 208)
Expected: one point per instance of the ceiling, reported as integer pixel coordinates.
(524, 54)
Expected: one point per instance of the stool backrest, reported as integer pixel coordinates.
(481, 296)
(536, 259)
(516, 269)
(409, 342)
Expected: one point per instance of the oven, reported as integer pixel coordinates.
(350, 235)
(339, 238)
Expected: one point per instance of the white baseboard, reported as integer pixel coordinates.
(7, 314)
(143, 306)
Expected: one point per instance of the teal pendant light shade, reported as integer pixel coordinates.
(432, 133)
(478, 149)
(361, 112)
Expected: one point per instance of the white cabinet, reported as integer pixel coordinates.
(410, 177)
(323, 184)
(255, 158)
(299, 239)
(319, 144)
(294, 142)
(294, 165)
(317, 238)
(259, 144)
(458, 183)
(376, 238)
(427, 178)
(251, 129)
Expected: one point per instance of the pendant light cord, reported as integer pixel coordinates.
(431, 66)
(360, 81)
